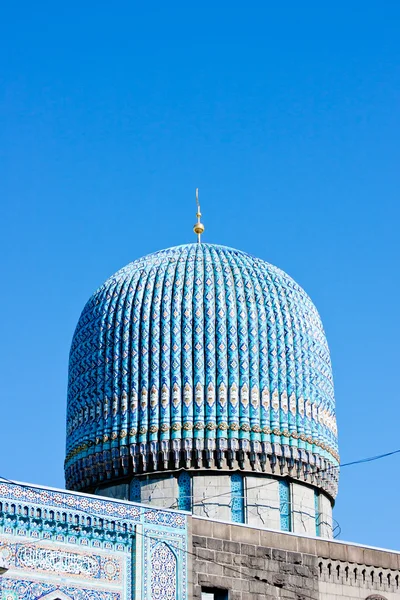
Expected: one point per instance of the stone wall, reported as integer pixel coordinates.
(160, 491)
(263, 505)
(255, 564)
(251, 563)
(212, 496)
(303, 509)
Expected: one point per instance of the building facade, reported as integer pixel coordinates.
(238, 562)
(68, 546)
(201, 458)
(57, 545)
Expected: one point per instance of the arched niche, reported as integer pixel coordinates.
(164, 572)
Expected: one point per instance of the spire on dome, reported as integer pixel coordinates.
(198, 227)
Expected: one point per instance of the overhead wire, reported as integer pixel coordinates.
(73, 528)
(341, 465)
(194, 555)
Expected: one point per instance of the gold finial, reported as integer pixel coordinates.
(199, 227)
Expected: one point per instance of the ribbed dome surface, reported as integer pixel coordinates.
(200, 356)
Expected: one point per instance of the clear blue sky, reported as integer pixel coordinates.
(285, 115)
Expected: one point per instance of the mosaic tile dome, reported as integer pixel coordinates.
(200, 356)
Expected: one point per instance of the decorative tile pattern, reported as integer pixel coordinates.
(285, 509)
(83, 505)
(237, 488)
(185, 491)
(135, 490)
(196, 354)
(21, 589)
(164, 552)
(98, 547)
(51, 559)
(163, 572)
(317, 513)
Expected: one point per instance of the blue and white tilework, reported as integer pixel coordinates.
(317, 513)
(87, 548)
(185, 491)
(197, 355)
(237, 498)
(285, 508)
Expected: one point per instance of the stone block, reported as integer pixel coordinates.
(216, 581)
(258, 587)
(233, 547)
(295, 557)
(272, 539)
(355, 554)
(240, 559)
(302, 570)
(307, 545)
(373, 558)
(234, 572)
(222, 531)
(391, 560)
(287, 568)
(325, 516)
(197, 592)
(263, 552)
(245, 534)
(205, 553)
(225, 558)
(250, 596)
(278, 580)
(247, 572)
(202, 527)
(197, 541)
(212, 496)
(335, 551)
(309, 559)
(279, 555)
(160, 491)
(263, 504)
(274, 566)
(257, 563)
(214, 569)
(303, 509)
(248, 549)
(201, 566)
(323, 548)
(214, 544)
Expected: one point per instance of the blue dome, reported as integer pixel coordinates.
(200, 356)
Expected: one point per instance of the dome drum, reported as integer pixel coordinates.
(196, 357)
(256, 499)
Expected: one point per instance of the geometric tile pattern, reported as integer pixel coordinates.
(185, 491)
(317, 513)
(284, 498)
(33, 590)
(88, 548)
(163, 569)
(53, 504)
(237, 498)
(193, 355)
